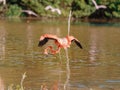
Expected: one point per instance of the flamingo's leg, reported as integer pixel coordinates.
(54, 51)
(46, 50)
(51, 50)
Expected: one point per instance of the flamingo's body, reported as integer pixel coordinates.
(98, 6)
(29, 12)
(60, 42)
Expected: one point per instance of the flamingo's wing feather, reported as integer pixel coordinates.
(44, 39)
(42, 42)
(77, 43)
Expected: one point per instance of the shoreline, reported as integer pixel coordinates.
(92, 20)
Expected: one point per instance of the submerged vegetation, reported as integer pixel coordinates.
(80, 8)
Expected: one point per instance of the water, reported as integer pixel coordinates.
(95, 67)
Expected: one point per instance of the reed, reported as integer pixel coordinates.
(18, 87)
(69, 23)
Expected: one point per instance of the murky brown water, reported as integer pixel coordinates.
(96, 67)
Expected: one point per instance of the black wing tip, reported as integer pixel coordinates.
(81, 46)
(78, 44)
(40, 44)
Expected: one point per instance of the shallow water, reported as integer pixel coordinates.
(95, 67)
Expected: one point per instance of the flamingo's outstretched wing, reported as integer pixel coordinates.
(77, 43)
(44, 39)
(30, 12)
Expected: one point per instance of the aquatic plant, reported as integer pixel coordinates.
(20, 86)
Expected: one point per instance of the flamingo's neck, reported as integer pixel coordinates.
(68, 39)
(51, 50)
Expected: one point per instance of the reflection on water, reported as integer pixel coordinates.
(66, 85)
(2, 43)
(96, 67)
(93, 45)
(2, 52)
(29, 32)
(2, 87)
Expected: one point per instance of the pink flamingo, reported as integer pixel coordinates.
(60, 42)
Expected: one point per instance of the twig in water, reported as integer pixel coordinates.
(23, 77)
